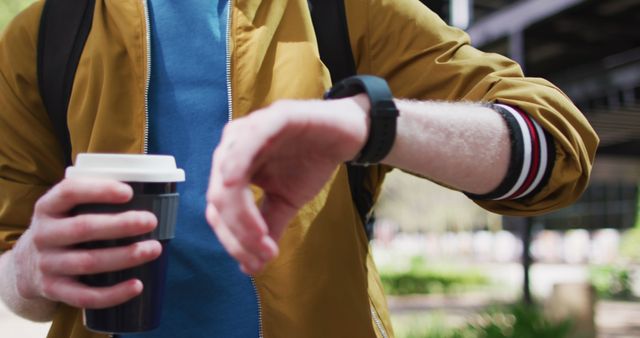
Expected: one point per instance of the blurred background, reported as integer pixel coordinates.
(452, 270)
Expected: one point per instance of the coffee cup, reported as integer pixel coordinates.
(153, 179)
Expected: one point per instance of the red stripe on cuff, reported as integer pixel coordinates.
(535, 156)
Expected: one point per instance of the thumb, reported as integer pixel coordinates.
(277, 212)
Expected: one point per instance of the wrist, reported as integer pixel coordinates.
(17, 297)
(362, 127)
(382, 115)
(351, 116)
(17, 257)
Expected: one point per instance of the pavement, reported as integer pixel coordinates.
(618, 319)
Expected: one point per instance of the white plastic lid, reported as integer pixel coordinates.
(126, 167)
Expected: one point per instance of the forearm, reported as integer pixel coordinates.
(40, 310)
(462, 145)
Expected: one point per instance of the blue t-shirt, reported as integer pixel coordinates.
(206, 294)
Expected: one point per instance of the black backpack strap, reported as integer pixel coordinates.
(330, 25)
(64, 27)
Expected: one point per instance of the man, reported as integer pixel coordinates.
(162, 77)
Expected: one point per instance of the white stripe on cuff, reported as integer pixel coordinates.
(527, 151)
(543, 159)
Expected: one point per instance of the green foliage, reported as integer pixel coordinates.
(431, 325)
(629, 247)
(612, 281)
(9, 8)
(516, 321)
(519, 321)
(421, 279)
(637, 225)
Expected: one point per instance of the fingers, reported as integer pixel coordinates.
(231, 209)
(249, 264)
(85, 262)
(49, 260)
(74, 293)
(90, 227)
(71, 192)
(250, 248)
(277, 213)
(264, 148)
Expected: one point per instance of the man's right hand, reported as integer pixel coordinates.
(47, 259)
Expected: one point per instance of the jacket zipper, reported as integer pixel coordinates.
(230, 117)
(145, 146)
(229, 101)
(255, 290)
(228, 60)
(376, 319)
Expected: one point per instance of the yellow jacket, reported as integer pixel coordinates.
(324, 283)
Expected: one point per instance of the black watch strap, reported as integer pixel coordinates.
(382, 116)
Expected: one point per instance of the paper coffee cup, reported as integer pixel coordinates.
(153, 179)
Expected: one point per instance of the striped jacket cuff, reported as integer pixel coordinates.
(532, 157)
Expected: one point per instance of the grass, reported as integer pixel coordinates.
(424, 278)
(513, 321)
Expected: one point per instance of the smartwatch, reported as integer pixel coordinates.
(382, 115)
